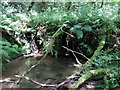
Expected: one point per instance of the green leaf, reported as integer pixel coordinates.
(13, 50)
(72, 29)
(77, 26)
(5, 43)
(79, 33)
(87, 28)
(5, 27)
(15, 46)
(7, 60)
(4, 53)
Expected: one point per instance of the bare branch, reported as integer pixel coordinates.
(32, 68)
(33, 81)
(77, 53)
(76, 59)
(68, 34)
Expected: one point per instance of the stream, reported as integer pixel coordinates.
(50, 71)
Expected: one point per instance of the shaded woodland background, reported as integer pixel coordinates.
(89, 32)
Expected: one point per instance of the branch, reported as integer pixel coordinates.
(6, 81)
(31, 68)
(73, 55)
(46, 85)
(101, 45)
(33, 81)
(97, 51)
(68, 34)
(86, 77)
(77, 53)
(58, 30)
(76, 59)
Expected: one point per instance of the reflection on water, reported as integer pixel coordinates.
(51, 70)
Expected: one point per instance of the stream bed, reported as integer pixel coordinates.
(50, 71)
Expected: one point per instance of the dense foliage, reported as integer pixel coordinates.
(91, 28)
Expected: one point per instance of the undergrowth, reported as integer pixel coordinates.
(80, 28)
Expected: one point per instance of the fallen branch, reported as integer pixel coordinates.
(86, 77)
(6, 81)
(33, 81)
(68, 34)
(73, 55)
(22, 57)
(77, 53)
(76, 59)
(97, 51)
(31, 68)
(101, 45)
(46, 85)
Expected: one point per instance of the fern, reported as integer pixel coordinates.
(4, 53)
(9, 51)
(5, 43)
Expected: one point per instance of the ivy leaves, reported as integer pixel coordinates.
(78, 30)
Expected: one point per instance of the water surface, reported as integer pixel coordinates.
(50, 71)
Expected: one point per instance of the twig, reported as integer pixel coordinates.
(73, 55)
(77, 53)
(76, 58)
(58, 30)
(6, 81)
(68, 34)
